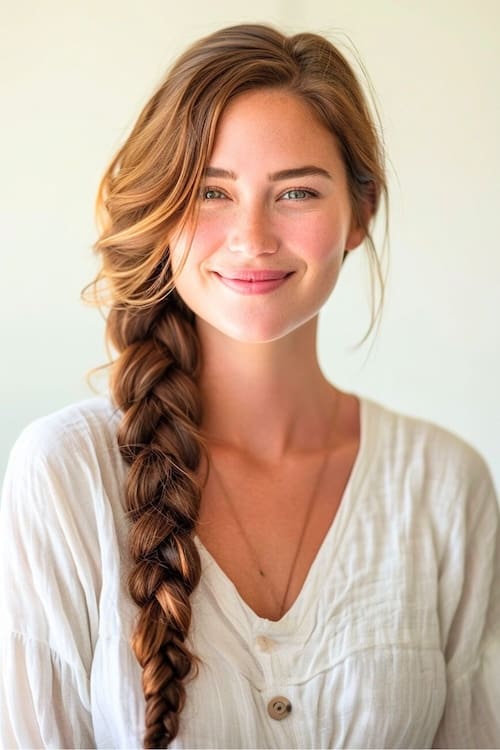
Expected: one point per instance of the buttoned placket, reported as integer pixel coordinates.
(269, 647)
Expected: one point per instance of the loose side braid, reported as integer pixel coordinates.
(154, 384)
(148, 195)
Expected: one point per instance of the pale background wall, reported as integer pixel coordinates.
(74, 77)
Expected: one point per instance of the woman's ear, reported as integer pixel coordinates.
(355, 237)
(361, 217)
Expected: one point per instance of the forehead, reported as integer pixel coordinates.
(274, 125)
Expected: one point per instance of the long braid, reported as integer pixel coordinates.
(148, 197)
(154, 384)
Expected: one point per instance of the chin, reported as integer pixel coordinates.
(255, 331)
(253, 336)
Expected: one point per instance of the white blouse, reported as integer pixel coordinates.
(393, 642)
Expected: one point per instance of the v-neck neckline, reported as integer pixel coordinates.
(225, 586)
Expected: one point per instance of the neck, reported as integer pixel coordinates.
(265, 399)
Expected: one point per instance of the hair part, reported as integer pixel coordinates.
(149, 193)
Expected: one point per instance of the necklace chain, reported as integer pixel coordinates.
(280, 601)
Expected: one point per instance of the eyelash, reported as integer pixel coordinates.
(206, 190)
(308, 193)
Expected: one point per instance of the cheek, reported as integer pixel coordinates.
(195, 246)
(320, 241)
(205, 237)
(188, 255)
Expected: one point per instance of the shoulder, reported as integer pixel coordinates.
(61, 527)
(85, 428)
(69, 451)
(63, 487)
(430, 491)
(420, 446)
(93, 420)
(422, 470)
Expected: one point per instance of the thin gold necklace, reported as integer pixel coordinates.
(280, 601)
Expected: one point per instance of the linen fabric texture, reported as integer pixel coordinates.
(394, 640)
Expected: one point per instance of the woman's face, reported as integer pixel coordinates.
(274, 220)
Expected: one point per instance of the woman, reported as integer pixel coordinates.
(232, 552)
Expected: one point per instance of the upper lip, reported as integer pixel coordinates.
(251, 274)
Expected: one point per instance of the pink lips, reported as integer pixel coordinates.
(253, 282)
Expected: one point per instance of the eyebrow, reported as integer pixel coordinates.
(307, 171)
(283, 174)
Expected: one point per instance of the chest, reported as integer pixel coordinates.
(357, 656)
(265, 531)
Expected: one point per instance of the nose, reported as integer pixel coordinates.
(252, 232)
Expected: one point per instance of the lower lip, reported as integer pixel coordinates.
(253, 287)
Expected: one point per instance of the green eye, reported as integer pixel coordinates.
(297, 195)
(210, 194)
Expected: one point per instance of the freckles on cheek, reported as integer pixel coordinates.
(208, 234)
(201, 248)
(321, 242)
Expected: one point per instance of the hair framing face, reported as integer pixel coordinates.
(149, 193)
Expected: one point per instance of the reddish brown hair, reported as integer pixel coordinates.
(148, 192)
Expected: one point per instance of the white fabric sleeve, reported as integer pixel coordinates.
(47, 597)
(471, 717)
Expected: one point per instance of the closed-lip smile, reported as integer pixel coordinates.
(253, 281)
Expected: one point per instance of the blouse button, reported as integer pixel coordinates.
(264, 644)
(278, 708)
